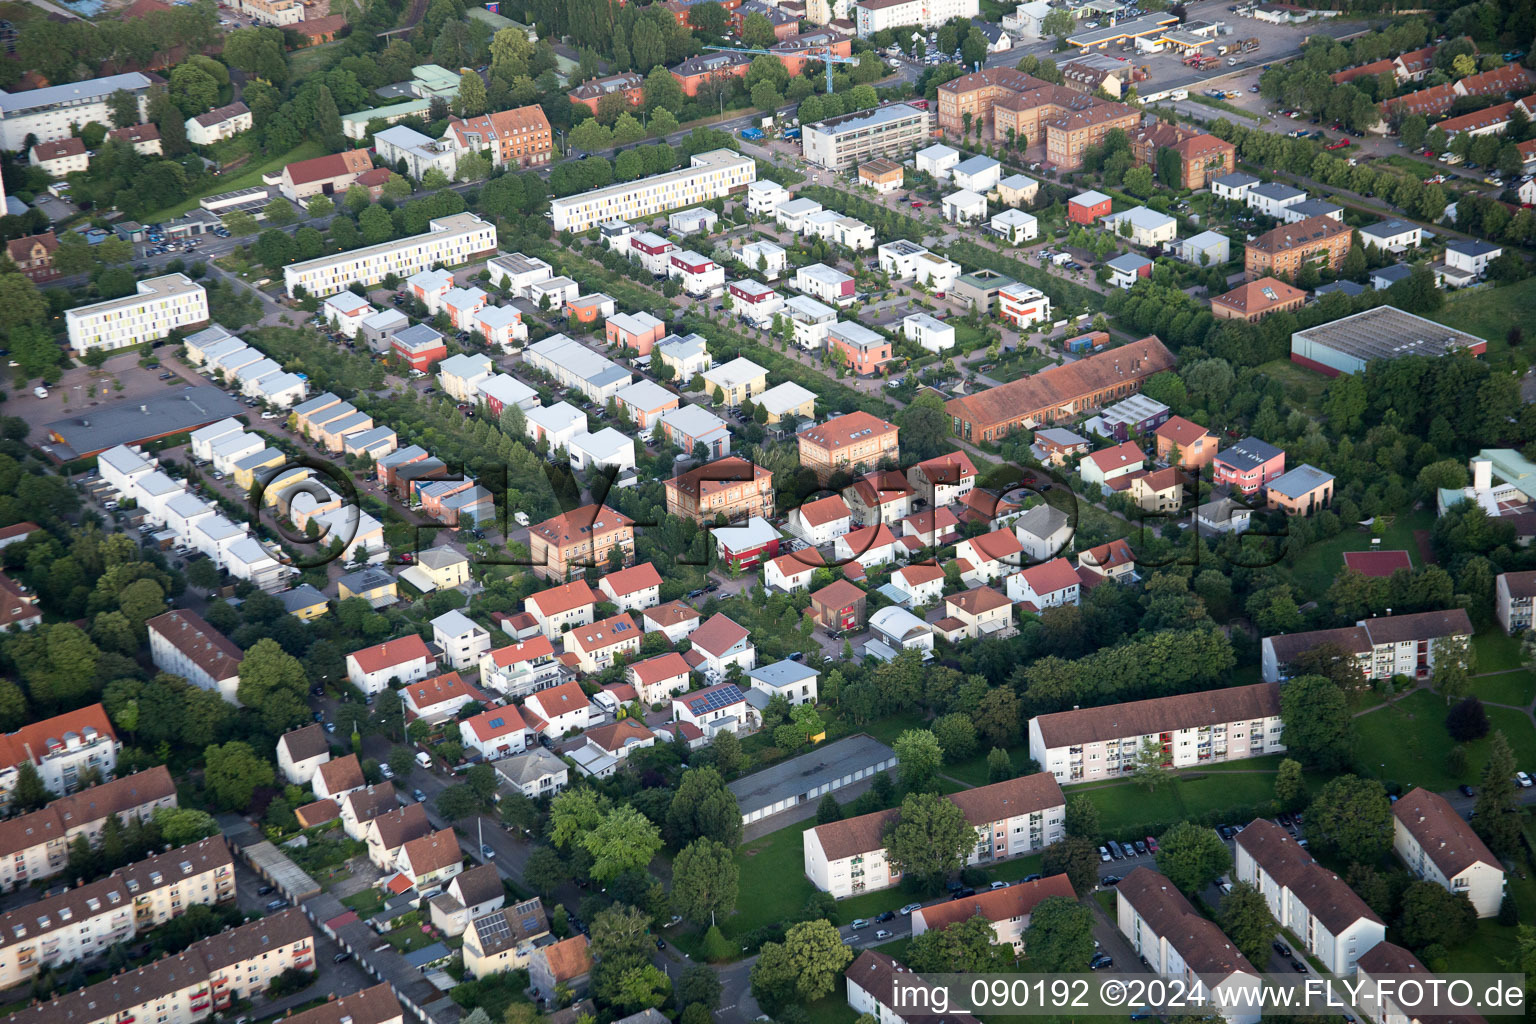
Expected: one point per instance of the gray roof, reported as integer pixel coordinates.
(1347, 287)
(1393, 274)
(1248, 453)
(1299, 481)
(1128, 262)
(129, 421)
(809, 772)
(75, 92)
(1275, 190)
(1237, 179)
(1060, 435)
(782, 673)
(418, 335)
(1474, 247)
(1314, 208)
(530, 766)
(300, 597)
(364, 580)
(974, 165)
(1041, 521)
(1387, 228)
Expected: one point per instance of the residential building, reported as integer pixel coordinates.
(1008, 910)
(1248, 465)
(791, 572)
(881, 174)
(787, 403)
(1059, 392)
(825, 283)
(709, 175)
(558, 710)
(1252, 301)
(33, 256)
(1164, 928)
(1051, 584)
(964, 207)
(517, 138)
(849, 443)
(978, 174)
(720, 643)
(405, 660)
(658, 678)
(880, 496)
(158, 306)
(1190, 729)
(565, 544)
(981, 612)
(873, 978)
(301, 752)
(182, 644)
(896, 630)
(144, 138)
(1015, 226)
(323, 175)
(1012, 819)
(53, 112)
(1088, 208)
(862, 350)
(847, 140)
(598, 645)
(439, 698)
(743, 546)
(471, 894)
(1125, 269)
(792, 680)
(1438, 846)
(334, 779)
(729, 487)
(462, 640)
(505, 939)
(1384, 646)
(690, 426)
(61, 748)
(1207, 249)
(869, 545)
(449, 241)
(1184, 443)
(1312, 903)
(1513, 594)
(1043, 532)
(521, 668)
(630, 84)
(764, 197)
(1471, 256)
(1143, 226)
(567, 964)
(1112, 468)
(1282, 252)
(932, 334)
(673, 619)
(1057, 446)
(811, 319)
(1023, 306)
(1300, 491)
(59, 158)
(536, 773)
(1387, 964)
(839, 606)
(988, 556)
(716, 709)
(821, 521)
(218, 124)
(1222, 516)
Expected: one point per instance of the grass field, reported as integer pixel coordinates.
(1126, 808)
(1518, 688)
(1406, 742)
(1486, 312)
(1497, 651)
(1323, 561)
(1302, 386)
(249, 177)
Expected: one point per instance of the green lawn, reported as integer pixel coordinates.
(1518, 688)
(1127, 809)
(1317, 568)
(1406, 742)
(367, 902)
(1485, 312)
(249, 177)
(1302, 386)
(1497, 651)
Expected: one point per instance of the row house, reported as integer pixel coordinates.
(645, 401)
(387, 832)
(1091, 744)
(1008, 910)
(1011, 819)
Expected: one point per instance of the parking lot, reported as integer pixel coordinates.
(120, 379)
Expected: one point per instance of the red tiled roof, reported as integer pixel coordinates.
(1049, 577)
(977, 600)
(824, 510)
(563, 598)
(391, 653)
(449, 686)
(632, 580)
(334, 165)
(663, 666)
(485, 727)
(717, 635)
(528, 650)
(557, 700)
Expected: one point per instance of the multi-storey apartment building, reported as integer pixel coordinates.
(976, 94)
(1189, 728)
(53, 113)
(1011, 819)
(1171, 936)
(86, 921)
(61, 748)
(513, 138)
(1067, 137)
(710, 175)
(1008, 910)
(731, 487)
(870, 16)
(36, 846)
(448, 241)
(850, 443)
(1283, 251)
(1514, 598)
(566, 544)
(630, 84)
(844, 141)
(159, 306)
(181, 643)
(207, 977)
(1383, 647)
(1058, 393)
(1312, 903)
(1438, 846)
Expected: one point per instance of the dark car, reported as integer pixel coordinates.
(1101, 961)
(341, 958)
(889, 915)
(1031, 878)
(265, 890)
(961, 894)
(1110, 880)
(1282, 949)
(276, 905)
(1225, 830)
(659, 943)
(1298, 967)
(1141, 848)
(1467, 790)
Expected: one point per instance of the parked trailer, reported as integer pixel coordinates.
(1249, 45)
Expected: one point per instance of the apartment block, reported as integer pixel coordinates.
(710, 175)
(849, 443)
(1384, 646)
(160, 305)
(842, 142)
(1438, 846)
(449, 241)
(1318, 241)
(53, 112)
(1514, 596)
(88, 920)
(1013, 818)
(729, 487)
(181, 643)
(1091, 744)
(513, 138)
(566, 544)
(61, 749)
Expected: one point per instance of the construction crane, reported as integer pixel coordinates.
(822, 53)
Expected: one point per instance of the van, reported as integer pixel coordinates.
(424, 759)
(40, 391)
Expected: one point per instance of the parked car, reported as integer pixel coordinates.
(885, 915)
(910, 907)
(277, 904)
(998, 885)
(962, 894)
(1282, 949)
(1104, 854)
(1466, 790)
(1151, 845)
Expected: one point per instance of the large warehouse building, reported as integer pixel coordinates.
(1385, 332)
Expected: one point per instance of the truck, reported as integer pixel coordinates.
(1251, 44)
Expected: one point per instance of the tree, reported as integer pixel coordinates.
(703, 806)
(182, 825)
(1318, 728)
(1431, 915)
(956, 735)
(281, 213)
(234, 771)
(623, 840)
(697, 985)
(919, 757)
(1192, 856)
(1290, 787)
(1352, 819)
(929, 840)
(1496, 817)
(328, 121)
(969, 947)
(273, 680)
(1059, 938)
(591, 136)
(1244, 917)
(1467, 721)
(573, 814)
(828, 810)
(1082, 818)
(704, 879)
(470, 101)
(1075, 857)
(1138, 181)
(29, 793)
(803, 968)
(924, 427)
(123, 108)
(1058, 23)
(757, 32)
(1151, 771)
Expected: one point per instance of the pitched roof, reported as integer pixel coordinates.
(1016, 901)
(948, 469)
(1325, 895)
(433, 852)
(479, 884)
(976, 601)
(603, 633)
(1050, 577)
(428, 693)
(568, 958)
(919, 573)
(533, 648)
(391, 653)
(852, 836)
(617, 735)
(564, 598)
(335, 165)
(1444, 837)
(580, 524)
(342, 773)
(824, 510)
(20, 250)
(1519, 584)
(400, 825)
(717, 634)
(1058, 385)
(1308, 232)
(841, 430)
(59, 148)
(305, 743)
(1159, 714)
(1254, 297)
(996, 545)
(632, 580)
(1202, 946)
(1181, 431)
(671, 613)
(662, 666)
(204, 646)
(496, 722)
(369, 802)
(711, 698)
(219, 115)
(797, 562)
(838, 594)
(557, 700)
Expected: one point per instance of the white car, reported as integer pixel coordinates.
(1524, 780)
(1104, 854)
(910, 907)
(998, 885)
(882, 934)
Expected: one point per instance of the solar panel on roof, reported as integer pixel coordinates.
(530, 923)
(497, 723)
(493, 929)
(716, 699)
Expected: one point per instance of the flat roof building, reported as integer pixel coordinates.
(841, 142)
(449, 241)
(709, 175)
(803, 780)
(1385, 332)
